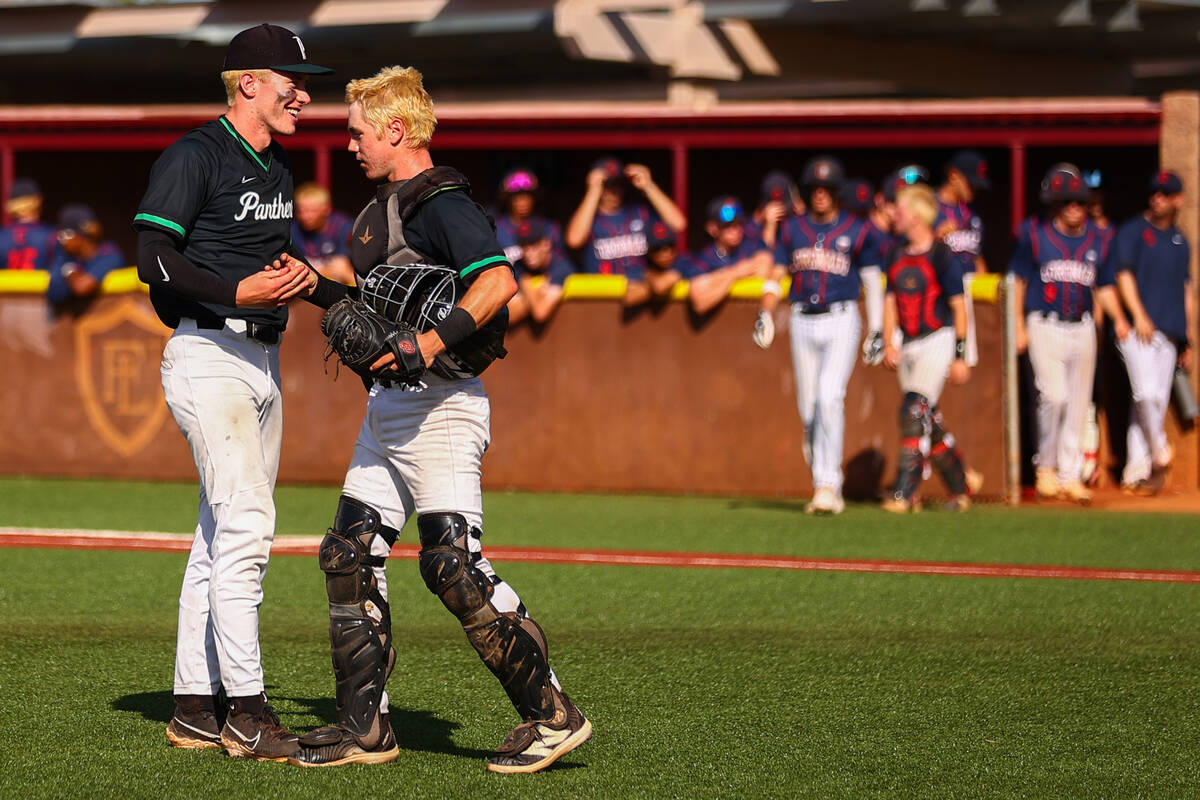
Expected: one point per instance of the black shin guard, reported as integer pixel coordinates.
(360, 627)
(512, 645)
(914, 439)
(945, 457)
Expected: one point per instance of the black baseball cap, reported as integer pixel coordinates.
(269, 46)
(78, 217)
(725, 210)
(973, 166)
(531, 230)
(614, 170)
(659, 235)
(856, 196)
(1166, 182)
(24, 187)
(778, 187)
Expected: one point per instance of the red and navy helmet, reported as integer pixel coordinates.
(1064, 184)
(825, 172)
(973, 166)
(856, 196)
(779, 187)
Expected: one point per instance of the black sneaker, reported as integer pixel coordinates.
(257, 735)
(194, 726)
(533, 746)
(331, 746)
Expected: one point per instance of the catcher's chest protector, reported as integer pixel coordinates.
(402, 203)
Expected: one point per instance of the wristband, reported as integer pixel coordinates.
(458, 325)
(772, 287)
(960, 348)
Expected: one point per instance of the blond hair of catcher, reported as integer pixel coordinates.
(920, 200)
(396, 93)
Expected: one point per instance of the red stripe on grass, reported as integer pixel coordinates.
(307, 545)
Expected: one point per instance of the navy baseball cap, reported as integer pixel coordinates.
(779, 187)
(1166, 182)
(973, 166)
(725, 210)
(269, 46)
(530, 230)
(519, 180)
(907, 175)
(614, 170)
(659, 235)
(24, 187)
(856, 196)
(78, 217)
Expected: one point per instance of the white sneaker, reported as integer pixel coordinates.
(825, 501)
(1076, 492)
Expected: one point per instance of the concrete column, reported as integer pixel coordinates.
(1179, 151)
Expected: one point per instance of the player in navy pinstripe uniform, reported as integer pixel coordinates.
(26, 242)
(1150, 258)
(1060, 264)
(831, 256)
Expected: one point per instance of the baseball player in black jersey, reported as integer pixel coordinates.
(419, 449)
(213, 231)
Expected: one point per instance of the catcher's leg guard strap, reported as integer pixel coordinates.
(511, 644)
(360, 630)
(944, 455)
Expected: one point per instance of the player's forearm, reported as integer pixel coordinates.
(1019, 288)
(872, 278)
(1109, 304)
(772, 290)
(1127, 285)
(666, 208)
(580, 225)
(889, 319)
(160, 265)
(326, 292)
(1190, 313)
(959, 308)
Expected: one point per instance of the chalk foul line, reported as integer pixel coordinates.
(307, 545)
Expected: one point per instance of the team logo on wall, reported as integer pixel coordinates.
(117, 353)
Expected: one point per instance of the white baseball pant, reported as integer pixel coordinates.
(1063, 355)
(824, 349)
(419, 450)
(223, 390)
(925, 364)
(1151, 368)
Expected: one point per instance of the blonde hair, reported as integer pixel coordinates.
(312, 189)
(920, 200)
(232, 77)
(396, 93)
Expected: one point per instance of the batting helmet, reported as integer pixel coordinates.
(1063, 184)
(823, 171)
(856, 196)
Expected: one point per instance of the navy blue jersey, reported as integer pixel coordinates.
(333, 239)
(1158, 260)
(824, 258)
(560, 265)
(108, 257)
(617, 245)
(710, 258)
(1061, 271)
(26, 245)
(965, 234)
(923, 284)
(230, 208)
(888, 241)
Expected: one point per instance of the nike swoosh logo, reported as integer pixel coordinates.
(366, 237)
(181, 723)
(166, 277)
(252, 743)
(247, 180)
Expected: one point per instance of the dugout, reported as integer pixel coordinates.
(102, 156)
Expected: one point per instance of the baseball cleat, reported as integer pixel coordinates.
(1165, 458)
(533, 746)
(194, 725)
(900, 505)
(1076, 492)
(974, 481)
(959, 503)
(332, 746)
(257, 734)
(825, 501)
(1047, 484)
(1148, 487)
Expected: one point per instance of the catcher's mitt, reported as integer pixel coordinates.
(360, 337)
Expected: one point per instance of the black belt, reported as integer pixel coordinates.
(256, 331)
(1054, 316)
(813, 310)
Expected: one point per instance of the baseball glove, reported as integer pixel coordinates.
(360, 337)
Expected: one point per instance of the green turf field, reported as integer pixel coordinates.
(701, 683)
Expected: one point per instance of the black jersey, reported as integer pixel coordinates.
(230, 206)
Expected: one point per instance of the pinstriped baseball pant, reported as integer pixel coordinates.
(1151, 367)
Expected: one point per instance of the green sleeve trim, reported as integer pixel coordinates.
(481, 264)
(166, 223)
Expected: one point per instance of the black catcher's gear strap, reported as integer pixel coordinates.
(360, 337)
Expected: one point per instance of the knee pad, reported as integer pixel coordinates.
(511, 644)
(914, 416)
(360, 637)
